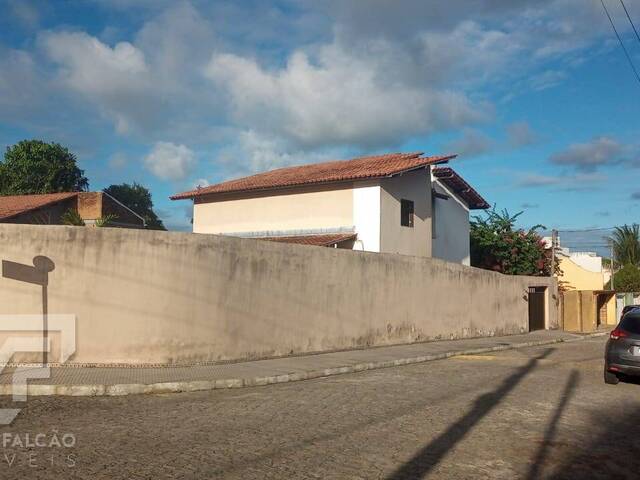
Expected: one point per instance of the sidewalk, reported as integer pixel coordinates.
(92, 381)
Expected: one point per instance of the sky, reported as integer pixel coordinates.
(535, 96)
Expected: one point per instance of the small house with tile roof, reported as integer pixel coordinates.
(50, 209)
(402, 203)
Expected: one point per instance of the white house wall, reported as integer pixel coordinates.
(366, 216)
(451, 232)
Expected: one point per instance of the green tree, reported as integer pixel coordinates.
(33, 166)
(73, 218)
(627, 279)
(497, 245)
(626, 245)
(138, 199)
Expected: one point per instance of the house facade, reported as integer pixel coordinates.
(50, 208)
(587, 302)
(384, 203)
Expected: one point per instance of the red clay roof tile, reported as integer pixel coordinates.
(12, 205)
(321, 239)
(319, 173)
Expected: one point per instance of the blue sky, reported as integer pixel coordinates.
(536, 96)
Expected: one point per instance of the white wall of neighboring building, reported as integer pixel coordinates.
(366, 216)
(451, 232)
(588, 260)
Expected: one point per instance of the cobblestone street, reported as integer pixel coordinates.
(539, 412)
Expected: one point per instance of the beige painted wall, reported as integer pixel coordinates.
(298, 209)
(578, 278)
(147, 296)
(395, 238)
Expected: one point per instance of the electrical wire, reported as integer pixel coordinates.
(586, 230)
(630, 21)
(633, 67)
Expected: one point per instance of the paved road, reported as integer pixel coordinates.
(533, 413)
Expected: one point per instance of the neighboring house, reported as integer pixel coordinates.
(583, 271)
(382, 203)
(580, 270)
(48, 209)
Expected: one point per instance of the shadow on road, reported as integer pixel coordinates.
(430, 455)
(613, 453)
(550, 432)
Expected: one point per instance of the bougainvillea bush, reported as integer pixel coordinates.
(496, 244)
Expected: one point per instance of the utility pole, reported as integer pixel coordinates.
(554, 242)
(612, 268)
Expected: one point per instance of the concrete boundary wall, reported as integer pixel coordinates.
(163, 297)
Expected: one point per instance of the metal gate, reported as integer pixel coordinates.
(536, 308)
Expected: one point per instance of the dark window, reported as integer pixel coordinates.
(631, 323)
(406, 213)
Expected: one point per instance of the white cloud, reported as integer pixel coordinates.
(520, 134)
(20, 87)
(343, 74)
(563, 181)
(150, 86)
(116, 78)
(340, 99)
(93, 67)
(169, 161)
(469, 53)
(591, 155)
(25, 12)
(470, 143)
(252, 153)
(547, 79)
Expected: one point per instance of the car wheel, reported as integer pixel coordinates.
(610, 378)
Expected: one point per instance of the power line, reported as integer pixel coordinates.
(633, 67)
(585, 230)
(630, 21)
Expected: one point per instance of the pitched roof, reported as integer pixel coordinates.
(455, 182)
(322, 240)
(12, 205)
(319, 173)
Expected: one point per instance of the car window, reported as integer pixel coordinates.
(631, 323)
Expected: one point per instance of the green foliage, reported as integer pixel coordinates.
(138, 199)
(497, 245)
(72, 217)
(33, 166)
(627, 279)
(626, 245)
(106, 220)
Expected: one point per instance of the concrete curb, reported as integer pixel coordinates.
(95, 390)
